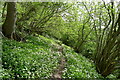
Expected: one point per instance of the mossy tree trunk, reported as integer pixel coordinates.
(9, 25)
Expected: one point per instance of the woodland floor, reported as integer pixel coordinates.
(57, 73)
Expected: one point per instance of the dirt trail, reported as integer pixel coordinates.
(57, 73)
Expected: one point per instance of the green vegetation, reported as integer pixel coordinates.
(78, 66)
(60, 39)
(32, 59)
(38, 57)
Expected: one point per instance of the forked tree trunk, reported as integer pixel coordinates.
(9, 25)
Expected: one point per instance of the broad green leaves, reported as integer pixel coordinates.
(32, 59)
(78, 66)
(38, 57)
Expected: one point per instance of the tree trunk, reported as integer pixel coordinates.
(9, 25)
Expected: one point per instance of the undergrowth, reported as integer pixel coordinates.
(38, 57)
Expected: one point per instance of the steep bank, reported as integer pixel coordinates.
(39, 56)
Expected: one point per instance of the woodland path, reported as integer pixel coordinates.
(57, 73)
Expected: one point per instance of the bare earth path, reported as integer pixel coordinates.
(57, 73)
